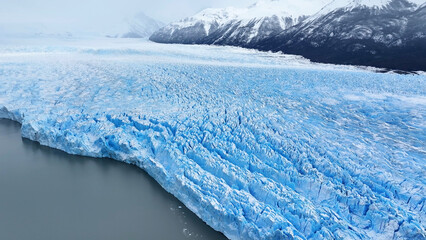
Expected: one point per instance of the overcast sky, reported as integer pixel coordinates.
(90, 15)
(102, 15)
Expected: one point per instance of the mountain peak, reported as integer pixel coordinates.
(377, 4)
(138, 26)
(260, 9)
(259, 20)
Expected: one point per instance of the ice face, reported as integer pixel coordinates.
(260, 146)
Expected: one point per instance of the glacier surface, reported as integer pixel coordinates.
(259, 145)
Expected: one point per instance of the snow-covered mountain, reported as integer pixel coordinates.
(381, 33)
(233, 26)
(383, 21)
(139, 26)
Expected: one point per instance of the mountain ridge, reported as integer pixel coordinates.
(387, 37)
(379, 33)
(255, 22)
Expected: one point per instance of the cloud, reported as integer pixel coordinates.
(100, 15)
(97, 12)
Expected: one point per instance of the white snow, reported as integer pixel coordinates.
(350, 4)
(259, 145)
(265, 8)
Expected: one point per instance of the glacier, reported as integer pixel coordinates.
(258, 145)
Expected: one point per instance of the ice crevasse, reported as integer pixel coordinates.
(259, 152)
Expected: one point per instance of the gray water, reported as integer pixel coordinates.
(48, 194)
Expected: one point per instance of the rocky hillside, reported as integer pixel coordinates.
(381, 33)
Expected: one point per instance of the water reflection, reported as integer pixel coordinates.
(48, 194)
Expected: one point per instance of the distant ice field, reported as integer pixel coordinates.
(259, 145)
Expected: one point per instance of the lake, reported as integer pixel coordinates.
(48, 194)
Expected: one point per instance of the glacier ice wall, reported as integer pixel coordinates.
(259, 146)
